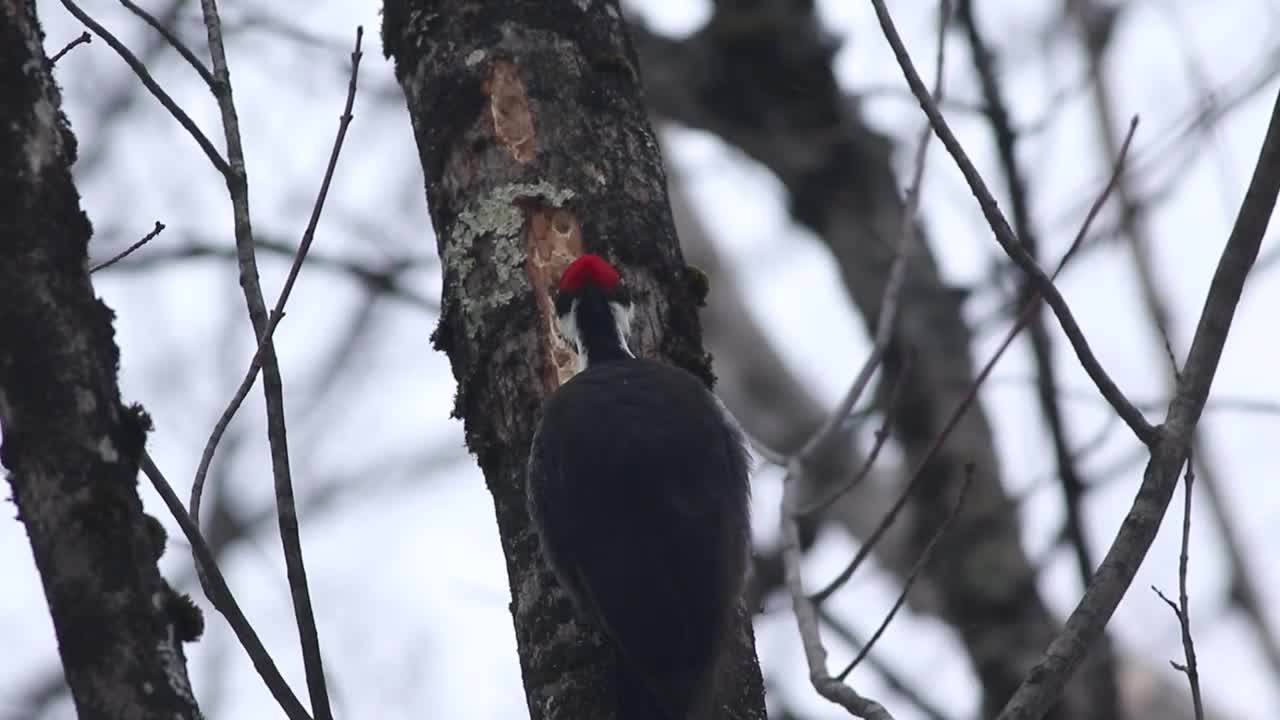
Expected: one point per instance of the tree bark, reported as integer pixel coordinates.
(535, 147)
(71, 447)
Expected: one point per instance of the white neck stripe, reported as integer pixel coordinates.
(621, 325)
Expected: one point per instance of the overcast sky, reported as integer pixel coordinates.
(407, 575)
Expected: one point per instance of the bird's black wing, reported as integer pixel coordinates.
(644, 513)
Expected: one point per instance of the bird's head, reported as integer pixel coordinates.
(593, 307)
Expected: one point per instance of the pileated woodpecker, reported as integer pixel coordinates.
(638, 488)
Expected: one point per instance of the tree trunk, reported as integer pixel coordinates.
(536, 147)
(71, 447)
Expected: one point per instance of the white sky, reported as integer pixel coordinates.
(408, 579)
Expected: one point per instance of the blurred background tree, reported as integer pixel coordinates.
(789, 136)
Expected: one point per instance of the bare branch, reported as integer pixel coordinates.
(1182, 609)
(971, 393)
(84, 39)
(149, 82)
(129, 250)
(237, 184)
(1006, 138)
(220, 427)
(1004, 235)
(890, 676)
(882, 436)
(1244, 591)
(1045, 682)
(173, 40)
(835, 689)
(222, 598)
(384, 280)
(1136, 230)
(277, 313)
(807, 619)
(911, 577)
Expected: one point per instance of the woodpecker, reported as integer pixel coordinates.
(638, 490)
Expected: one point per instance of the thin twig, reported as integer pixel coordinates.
(1132, 221)
(1131, 217)
(1006, 138)
(971, 393)
(997, 113)
(127, 251)
(1222, 403)
(151, 85)
(1137, 231)
(223, 599)
(379, 280)
(238, 187)
(888, 315)
(1009, 242)
(1045, 682)
(1243, 584)
(917, 477)
(805, 609)
(890, 301)
(891, 677)
(277, 313)
(923, 560)
(220, 428)
(1117, 172)
(1182, 609)
(1184, 616)
(807, 620)
(265, 356)
(881, 437)
(173, 40)
(84, 39)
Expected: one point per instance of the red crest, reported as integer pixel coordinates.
(589, 270)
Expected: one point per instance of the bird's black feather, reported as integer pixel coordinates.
(641, 496)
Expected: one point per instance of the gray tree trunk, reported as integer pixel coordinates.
(70, 446)
(536, 147)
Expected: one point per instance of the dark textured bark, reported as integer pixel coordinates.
(71, 448)
(759, 76)
(535, 146)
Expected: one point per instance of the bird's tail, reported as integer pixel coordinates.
(636, 701)
(675, 696)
